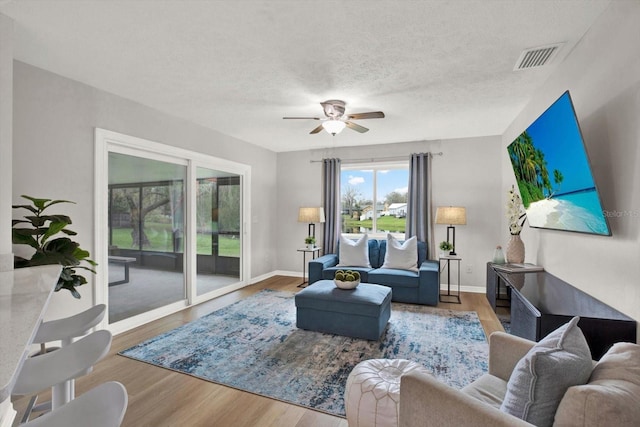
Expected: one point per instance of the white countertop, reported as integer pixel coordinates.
(24, 296)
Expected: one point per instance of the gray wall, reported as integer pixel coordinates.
(467, 174)
(54, 121)
(603, 75)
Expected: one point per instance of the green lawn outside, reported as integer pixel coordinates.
(160, 240)
(388, 223)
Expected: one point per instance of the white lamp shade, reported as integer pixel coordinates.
(311, 215)
(334, 127)
(452, 215)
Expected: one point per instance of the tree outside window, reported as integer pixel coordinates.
(374, 199)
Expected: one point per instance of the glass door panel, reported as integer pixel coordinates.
(218, 217)
(146, 230)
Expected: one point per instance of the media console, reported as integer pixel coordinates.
(540, 303)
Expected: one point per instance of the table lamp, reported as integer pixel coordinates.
(311, 216)
(451, 215)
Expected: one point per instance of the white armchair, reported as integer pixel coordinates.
(611, 397)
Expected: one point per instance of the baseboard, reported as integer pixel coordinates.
(274, 273)
(471, 289)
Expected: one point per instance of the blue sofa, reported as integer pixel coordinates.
(421, 287)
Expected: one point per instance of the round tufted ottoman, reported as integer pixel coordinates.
(372, 393)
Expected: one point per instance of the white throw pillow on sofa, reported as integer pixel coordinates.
(354, 254)
(401, 256)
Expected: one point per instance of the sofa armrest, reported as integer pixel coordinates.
(429, 283)
(317, 265)
(425, 401)
(504, 353)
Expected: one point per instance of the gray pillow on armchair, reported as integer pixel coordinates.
(541, 378)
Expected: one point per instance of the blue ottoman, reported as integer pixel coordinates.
(360, 313)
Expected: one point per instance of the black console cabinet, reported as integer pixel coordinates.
(541, 302)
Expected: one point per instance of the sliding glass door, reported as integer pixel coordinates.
(218, 219)
(146, 229)
(171, 228)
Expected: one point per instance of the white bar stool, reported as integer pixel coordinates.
(65, 330)
(55, 369)
(103, 406)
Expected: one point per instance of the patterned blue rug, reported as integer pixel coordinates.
(254, 345)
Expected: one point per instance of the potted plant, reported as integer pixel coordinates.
(40, 234)
(310, 241)
(445, 247)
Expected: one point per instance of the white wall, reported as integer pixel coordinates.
(53, 157)
(467, 174)
(603, 75)
(6, 140)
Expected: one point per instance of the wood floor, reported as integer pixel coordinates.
(159, 397)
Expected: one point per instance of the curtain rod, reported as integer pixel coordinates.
(378, 159)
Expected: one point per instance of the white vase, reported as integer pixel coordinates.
(515, 249)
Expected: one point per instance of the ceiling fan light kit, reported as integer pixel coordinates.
(334, 127)
(336, 120)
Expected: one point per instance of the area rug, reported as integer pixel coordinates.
(505, 321)
(254, 345)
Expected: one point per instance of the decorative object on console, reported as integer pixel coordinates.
(515, 212)
(451, 215)
(518, 268)
(517, 217)
(498, 255)
(515, 250)
(312, 216)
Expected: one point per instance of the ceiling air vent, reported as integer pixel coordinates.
(537, 56)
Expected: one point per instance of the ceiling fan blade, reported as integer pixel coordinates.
(306, 118)
(316, 130)
(356, 127)
(370, 115)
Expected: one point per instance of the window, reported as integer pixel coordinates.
(374, 199)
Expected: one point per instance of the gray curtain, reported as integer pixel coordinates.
(331, 203)
(419, 221)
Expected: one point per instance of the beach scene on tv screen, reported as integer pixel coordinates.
(553, 173)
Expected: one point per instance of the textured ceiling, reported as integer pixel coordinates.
(438, 69)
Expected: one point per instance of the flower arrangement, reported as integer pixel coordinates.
(515, 212)
(310, 240)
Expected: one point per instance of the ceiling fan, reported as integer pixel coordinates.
(336, 119)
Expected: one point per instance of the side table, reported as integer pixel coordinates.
(447, 264)
(314, 252)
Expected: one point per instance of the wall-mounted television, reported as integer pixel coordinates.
(553, 173)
